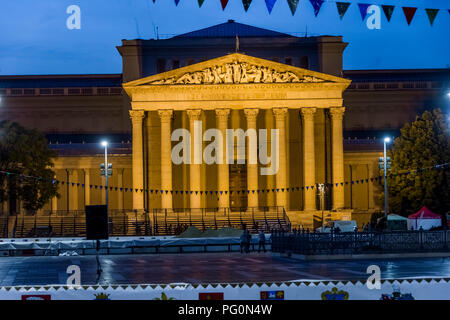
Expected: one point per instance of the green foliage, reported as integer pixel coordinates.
(25, 152)
(422, 143)
(164, 297)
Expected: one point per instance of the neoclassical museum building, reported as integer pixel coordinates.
(329, 123)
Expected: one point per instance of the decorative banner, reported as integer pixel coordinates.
(334, 294)
(272, 295)
(200, 3)
(388, 10)
(210, 296)
(224, 3)
(432, 13)
(390, 289)
(409, 13)
(363, 9)
(270, 4)
(317, 4)
(36, 297)
(293, 5)
(246, 4)
(342, 8)
(176, 2)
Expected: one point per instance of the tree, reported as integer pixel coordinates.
(422, 145)
(27, 161)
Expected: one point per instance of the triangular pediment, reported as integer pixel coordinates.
(235, 68)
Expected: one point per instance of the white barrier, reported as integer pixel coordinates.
(419, 289)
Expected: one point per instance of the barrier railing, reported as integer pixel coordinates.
(360, 242)
(144, 223)
(174, 221)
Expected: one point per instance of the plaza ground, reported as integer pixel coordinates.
(207, 268)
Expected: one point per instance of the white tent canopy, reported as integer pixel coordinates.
(424, 218)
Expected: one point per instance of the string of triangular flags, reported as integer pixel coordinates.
(342, 7)
(380, 178)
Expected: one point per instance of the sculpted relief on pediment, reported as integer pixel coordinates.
(237, 72)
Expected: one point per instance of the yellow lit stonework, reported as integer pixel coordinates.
(249, 86)
(231, 92)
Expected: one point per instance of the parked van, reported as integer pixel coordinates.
(344, 226)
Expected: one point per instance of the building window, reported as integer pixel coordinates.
(175, 64)
(160, 65)
(304, 62)
(289, 61)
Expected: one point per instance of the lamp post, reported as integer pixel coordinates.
(105, 144)
(386, 140)
(321, 187)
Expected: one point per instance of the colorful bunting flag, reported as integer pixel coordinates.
(293, 5)
(224, 3)
(270, 4)
(363, 9)
(409, 13)
(317, 4)
(388, 11)
(246, 4)
(342, 8)
(432, 13)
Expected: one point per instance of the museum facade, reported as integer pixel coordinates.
(328, 123)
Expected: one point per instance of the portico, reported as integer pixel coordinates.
(238, 92)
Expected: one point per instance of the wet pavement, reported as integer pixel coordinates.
(207, 268)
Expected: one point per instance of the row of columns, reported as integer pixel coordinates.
(222, 115)
(72, 194)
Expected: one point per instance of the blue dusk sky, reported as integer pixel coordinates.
(34, 38)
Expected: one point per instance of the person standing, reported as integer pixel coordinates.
(243, 241)
(262, 241)
(249, 240)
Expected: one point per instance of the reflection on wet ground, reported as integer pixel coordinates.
(207, 268)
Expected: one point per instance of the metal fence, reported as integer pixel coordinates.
(175, 221)
(361, 242)
(143, 223)
(72, 224)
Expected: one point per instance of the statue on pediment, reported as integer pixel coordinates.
(238, 72)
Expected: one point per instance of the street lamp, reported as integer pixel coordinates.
(321, 187)
(386, 140)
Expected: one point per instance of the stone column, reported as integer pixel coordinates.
(252, 168)
(119, 185)
(223, 174)
(309, 164)
(138, 161)
(185, 125)
(166, 160)
(280, 123)
(337, 151)
(195, 165)
(87, 189)
(73, 191)
(270, 179)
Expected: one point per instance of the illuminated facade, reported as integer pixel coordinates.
(330, 122)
